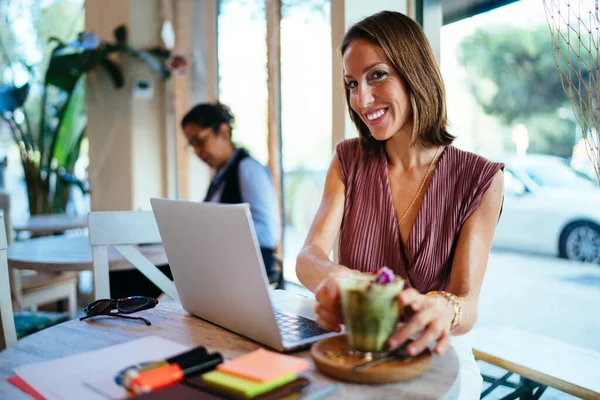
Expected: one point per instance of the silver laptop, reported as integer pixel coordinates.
(219, 275)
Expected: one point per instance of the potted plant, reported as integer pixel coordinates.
(50, 149)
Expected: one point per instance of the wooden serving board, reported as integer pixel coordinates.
(331, 358)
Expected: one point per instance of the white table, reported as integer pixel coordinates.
(50, 223)
(171, 322)
(65, 253)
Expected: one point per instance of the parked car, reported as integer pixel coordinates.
(549, 208)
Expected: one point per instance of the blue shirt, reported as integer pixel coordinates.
(256, 189)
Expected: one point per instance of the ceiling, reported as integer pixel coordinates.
(455, 10)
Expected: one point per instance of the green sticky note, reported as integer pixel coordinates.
(244, 387)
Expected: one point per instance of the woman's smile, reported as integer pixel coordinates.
(376, 91)
(376, 116)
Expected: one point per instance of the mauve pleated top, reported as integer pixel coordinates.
(369, 234)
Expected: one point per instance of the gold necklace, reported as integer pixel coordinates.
(420, 187)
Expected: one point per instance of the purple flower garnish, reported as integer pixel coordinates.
(384, 276)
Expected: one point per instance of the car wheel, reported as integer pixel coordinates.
(581, 241)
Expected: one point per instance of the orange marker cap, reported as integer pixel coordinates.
(156, 379)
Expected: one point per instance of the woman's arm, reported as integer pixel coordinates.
(257, 189)
(434, 314)
(472, 253)
(313, 264)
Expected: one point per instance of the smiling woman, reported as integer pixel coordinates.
(385, 69)
(402, 196)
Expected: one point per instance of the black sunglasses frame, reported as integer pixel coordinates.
(118, 304)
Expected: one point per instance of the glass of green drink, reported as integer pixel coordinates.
(370, 309)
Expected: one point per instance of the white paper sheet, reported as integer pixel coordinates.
(91, 375)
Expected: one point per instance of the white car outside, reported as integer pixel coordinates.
(549, 209)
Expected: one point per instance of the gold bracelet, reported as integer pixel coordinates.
(456, 303)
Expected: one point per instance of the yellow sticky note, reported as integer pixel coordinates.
(264, 366)
(242, 386)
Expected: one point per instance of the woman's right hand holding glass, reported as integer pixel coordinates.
(328, 308)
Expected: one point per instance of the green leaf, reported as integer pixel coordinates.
(114, 71)
(74, 156)
(159, 52)
(12, 97)
(65, 68)
(71, 126)
(121, 34)
(70, 179)
(156, 64)
(59, 43)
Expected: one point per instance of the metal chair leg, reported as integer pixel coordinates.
(525, 390)
(495, 383)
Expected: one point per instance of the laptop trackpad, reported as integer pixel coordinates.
(293, 303)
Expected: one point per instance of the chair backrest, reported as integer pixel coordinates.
(8, 335)
(107, 228)
(5, 207)
(122, 230)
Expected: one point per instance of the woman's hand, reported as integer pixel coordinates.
(433, 316)
(328, 308)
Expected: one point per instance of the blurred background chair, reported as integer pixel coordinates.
(29, 288)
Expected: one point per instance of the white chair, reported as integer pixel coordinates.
(7, 321)
(5, 208)
(31, 288)
(122, 230)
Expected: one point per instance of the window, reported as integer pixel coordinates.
(512, 185)
(242, 52)
(506, 102)
(306, 117)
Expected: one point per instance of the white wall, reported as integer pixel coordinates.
(148, 136)
(109, 117)
(204, 83)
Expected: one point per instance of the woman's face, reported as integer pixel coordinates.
(377, 93)
(209, 146)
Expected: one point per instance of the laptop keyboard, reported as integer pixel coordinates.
(295, 327)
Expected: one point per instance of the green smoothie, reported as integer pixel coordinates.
(370, 310)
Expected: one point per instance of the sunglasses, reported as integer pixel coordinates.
(128, 305)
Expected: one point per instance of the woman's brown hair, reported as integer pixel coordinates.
(408, 50)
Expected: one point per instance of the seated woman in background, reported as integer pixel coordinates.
(238, 178)
(402, 196)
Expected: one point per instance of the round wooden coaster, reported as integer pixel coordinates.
(331, 357)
